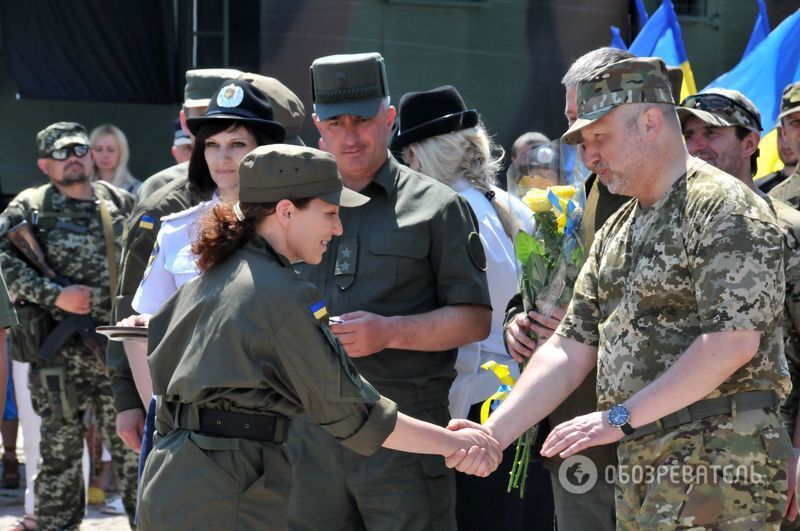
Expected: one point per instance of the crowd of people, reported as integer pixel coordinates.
(316, 319)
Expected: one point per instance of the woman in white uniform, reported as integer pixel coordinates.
(238, 119)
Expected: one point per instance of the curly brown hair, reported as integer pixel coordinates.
(222, 233)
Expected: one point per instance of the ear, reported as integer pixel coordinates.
(182, 118)
(42, 163)
(391, 113)
(284, 212)
(782, 131)
(750, 143)
(653, 122)
(317, 123)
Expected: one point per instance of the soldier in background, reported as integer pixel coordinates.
(789, 190)
(789, 160)
(677, 306)
(79, 228)
(723, 128)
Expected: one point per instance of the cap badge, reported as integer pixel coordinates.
(341, 79)
(230, 96)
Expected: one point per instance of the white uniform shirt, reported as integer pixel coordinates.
(172, 263)
(473, 384)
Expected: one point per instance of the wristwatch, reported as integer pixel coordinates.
(619, 417)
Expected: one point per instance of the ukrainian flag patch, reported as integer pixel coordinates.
(319, 310)
(147, 222)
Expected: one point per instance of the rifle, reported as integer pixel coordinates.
(22, 237)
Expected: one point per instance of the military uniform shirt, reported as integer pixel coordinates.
(706, 257)
(412, 249)
(74, 247)
(789, 190)
(8, 317)
(244, 337)
(172, 262)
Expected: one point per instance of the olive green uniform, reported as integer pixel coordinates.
(706, 257)
(243, 337)
(140, 238)
(412, 249)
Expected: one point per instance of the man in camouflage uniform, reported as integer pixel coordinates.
(723, 128)
(789, 160)
(70, 212)
(789, 190)
(678, 307)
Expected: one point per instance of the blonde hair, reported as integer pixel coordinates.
(121, 172)
(470, 155)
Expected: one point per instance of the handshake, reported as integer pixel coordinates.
(477, 452)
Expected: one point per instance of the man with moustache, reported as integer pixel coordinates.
(789, 190)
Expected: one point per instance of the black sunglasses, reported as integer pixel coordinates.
(717, 102)
(79, 150)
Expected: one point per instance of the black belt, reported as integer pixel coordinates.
(710, 407)
(265, 428)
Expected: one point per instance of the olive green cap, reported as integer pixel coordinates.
(286, 106)
(281, 171)
(721, 108)
(61, 134)
(348, 84)
(790, 101)
(634, 80)
(202, 83)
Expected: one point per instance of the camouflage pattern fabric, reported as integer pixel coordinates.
(706, 257)
(790, 100)
(722, 108)
(60, 502)
(789, 190)
(721, 473)
(75, 247)
(61, 134)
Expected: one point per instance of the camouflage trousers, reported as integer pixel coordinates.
(722, 473)
(61, 392)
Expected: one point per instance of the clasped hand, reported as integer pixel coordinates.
(480, 454)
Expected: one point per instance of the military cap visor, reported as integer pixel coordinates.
(790, 101)
(280, 171)
(573, 134)
(717, 120)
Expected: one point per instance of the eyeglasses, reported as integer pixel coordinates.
(79, 150)
(718, 102)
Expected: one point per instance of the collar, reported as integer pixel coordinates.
(262, 246)
(386, 177)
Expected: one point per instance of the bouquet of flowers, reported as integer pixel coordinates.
(550, 255)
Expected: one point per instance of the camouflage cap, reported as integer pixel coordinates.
(286, 106)
(61, 134)
(280, 171)
(790, 101)
(721, 108)
(202, 83)
(348, 84)
(634, 80)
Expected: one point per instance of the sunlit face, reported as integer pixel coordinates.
(223, 151)
(718, 146)
(69, 171)
(312, 229)
(359, 144)
(791, 132)
(182, 153)
(106, 154)
(612, 149)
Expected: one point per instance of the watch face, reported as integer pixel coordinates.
(618, 415)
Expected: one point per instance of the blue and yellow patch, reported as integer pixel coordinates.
(318, 310)
(147, 222)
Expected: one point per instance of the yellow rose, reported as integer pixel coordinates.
(536, 199)
(564, 191)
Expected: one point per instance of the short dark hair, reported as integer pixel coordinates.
(200, 182)
(741, 133)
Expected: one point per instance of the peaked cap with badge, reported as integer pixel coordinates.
(240, 100)
(634, 80)
(280, 171)
(348, 84)
(721, 108)
(201, 83)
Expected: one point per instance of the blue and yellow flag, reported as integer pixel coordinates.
(762, 76)
(617, 40)
(760, 29)
(319, 311)
(641, 15)
(661, 37)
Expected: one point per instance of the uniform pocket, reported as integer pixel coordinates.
(400, 256)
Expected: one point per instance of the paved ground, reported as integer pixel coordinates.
(11, 508)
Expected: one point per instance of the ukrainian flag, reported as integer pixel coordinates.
(760, 29)
(762, 76)
(661, 37)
